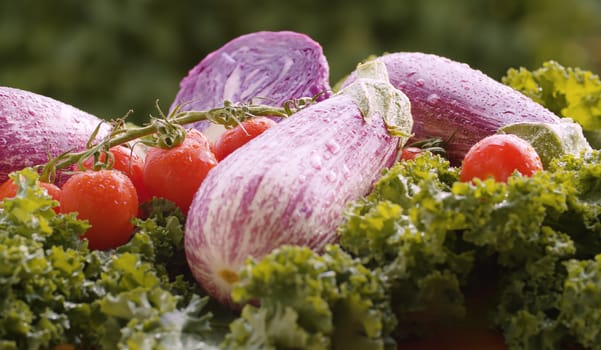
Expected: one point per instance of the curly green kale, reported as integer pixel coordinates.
(34, 275)
(53, 290)
(580, 302)
(532, 308)
(403, 228)
(436, 238)
(159, 240)
(311, 301)
(568, 92)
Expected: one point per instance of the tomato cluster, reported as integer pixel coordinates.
(108, 192)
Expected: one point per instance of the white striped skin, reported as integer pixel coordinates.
(35, 126)
(288, 186)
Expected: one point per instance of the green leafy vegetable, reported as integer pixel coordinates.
(54, 290)
(311, 301)
(580, 302)
(568, 92)
(408, 241)
(436, 240)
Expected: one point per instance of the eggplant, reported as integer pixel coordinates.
(36, 127)
(456, 103)
(290, 185)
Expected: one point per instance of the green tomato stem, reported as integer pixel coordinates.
(170, 127)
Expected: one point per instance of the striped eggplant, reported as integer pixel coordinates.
(291, 184)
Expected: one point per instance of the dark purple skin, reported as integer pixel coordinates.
(456, 103)
(263, 67)
(35, 127)
(288, 186)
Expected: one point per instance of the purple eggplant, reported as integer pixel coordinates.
(456, 103)
(36, 127)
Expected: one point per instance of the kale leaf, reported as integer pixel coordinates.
(568, 92)
(311, 301)
(54, 290)
(436, 240)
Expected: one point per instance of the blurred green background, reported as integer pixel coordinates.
(109, 56)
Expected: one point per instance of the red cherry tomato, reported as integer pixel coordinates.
(108, 200)
(410, 152)
(8, 189)
(498, 156)
(129, 163)
(234, 138)
(176, 173)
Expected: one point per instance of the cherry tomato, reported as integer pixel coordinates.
(8, 189)
(498, 156)
(234, 138)
(176, 173)
(108, 200)
(410, 152)
(129, 163)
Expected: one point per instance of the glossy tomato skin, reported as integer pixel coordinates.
(234, 138)
(130, 164)
(8, 189)
(108, 200)
(498, 156)
(176, 173)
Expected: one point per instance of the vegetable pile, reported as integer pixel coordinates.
(403, 211)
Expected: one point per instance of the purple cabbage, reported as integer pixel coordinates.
(263, 67)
